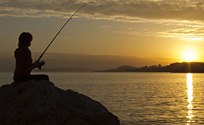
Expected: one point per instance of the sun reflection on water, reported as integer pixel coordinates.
(190, 97)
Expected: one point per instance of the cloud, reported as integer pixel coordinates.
(120, 10)
(187, 34)
(184, 18)
(183, 30)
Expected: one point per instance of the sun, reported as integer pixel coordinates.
(189, 55)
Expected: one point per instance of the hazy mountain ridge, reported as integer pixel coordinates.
(192, 67)
(65, 70)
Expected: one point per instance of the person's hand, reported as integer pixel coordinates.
(41, 63)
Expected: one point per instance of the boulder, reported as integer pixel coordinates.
(42, 103)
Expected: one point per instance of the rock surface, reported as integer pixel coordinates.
(42, 103)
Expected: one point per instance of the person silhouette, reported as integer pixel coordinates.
(24, 64)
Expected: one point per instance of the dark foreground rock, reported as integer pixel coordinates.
(41, 103)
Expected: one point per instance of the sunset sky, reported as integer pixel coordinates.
(105, 33)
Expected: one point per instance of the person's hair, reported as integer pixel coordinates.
(25, 39)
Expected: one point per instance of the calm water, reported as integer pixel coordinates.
(139, 98)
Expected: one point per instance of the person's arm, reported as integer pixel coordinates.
(29, 64)
(37, 64)
(34, 65)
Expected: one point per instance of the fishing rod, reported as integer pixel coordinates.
(59, 32)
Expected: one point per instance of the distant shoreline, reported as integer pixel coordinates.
(185, 67)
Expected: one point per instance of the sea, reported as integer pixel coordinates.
(138, 98)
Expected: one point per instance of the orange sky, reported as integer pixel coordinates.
(158, 31)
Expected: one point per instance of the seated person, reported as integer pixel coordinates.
(24, 64)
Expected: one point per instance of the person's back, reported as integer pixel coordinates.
(23, 61)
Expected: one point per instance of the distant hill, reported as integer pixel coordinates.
(192, 67)
(65, 70)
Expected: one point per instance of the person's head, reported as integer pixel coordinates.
(25, 39)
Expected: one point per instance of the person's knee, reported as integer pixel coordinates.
(44, 77)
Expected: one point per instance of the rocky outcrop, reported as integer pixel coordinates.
(42, 103)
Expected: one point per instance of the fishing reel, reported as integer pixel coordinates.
(41, 63)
